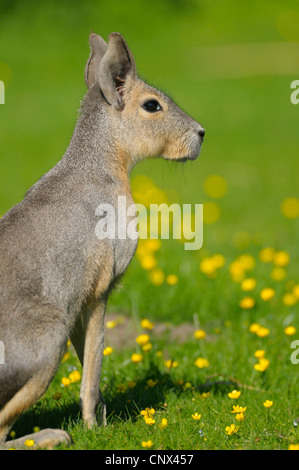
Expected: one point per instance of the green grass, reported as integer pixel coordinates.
(251, 142)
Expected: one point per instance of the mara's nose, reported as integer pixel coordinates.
(201, 132)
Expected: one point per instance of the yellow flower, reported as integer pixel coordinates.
(148, 411)
(108, 350)
(196, 416)
(148, 262)
(281, 258)
(201, 362)
(75, 376)
(266, 255)
(66, 356)
(289, 299)
(142, 339)
(163, 424)
(278, 274)
(157, 277)
(259, 353)
(148, 416)
(172, 279)
(215, 186)
(131, 384)
(136, 357)
(234, 394)
(247, 303)
(295, 291)
(209, 265)
(254, 327)
(148, 420)
(151, 383)
(200, 334)
(262, 331)
(293, 447)
(146, 324)
(232, 429)
(248, 284)
(290, 330)
(29, 443)
(262, 365)
(290, 208)
(147, 347)
(170, 363)
(240, 416)
(239, 409)
(65, 381)
(267, 293)
(268, 403)
(147, 444)
(204, 395)
(111, 324)
(121, 388)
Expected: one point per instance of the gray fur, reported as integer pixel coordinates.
(55, 274)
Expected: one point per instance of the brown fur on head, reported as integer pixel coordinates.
(147, 123)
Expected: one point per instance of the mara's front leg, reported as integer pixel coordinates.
(88, 340)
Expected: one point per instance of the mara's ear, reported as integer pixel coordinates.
(116, 67)
(98, 47)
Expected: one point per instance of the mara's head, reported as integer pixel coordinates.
(145, 122)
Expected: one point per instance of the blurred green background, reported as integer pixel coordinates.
(229, 64)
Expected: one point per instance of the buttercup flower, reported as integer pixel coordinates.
(289, 299)
(172, 279)
(170, 363)
(290, 207)
(163, 424)
(75, 376)
(232, 429)
(267, 293)
(157, 277)
(248, 284)
(201, 362)
(196, 416)
(108, 350)
(259, 353)
(278, 274)
(262, 365)
(239, 409)
(147, 444)
(142, 339)
(65, 381)
(268, 403)
(234, 394)
(131, 384)
(151, 383)
(290, 330)
(281, 258)
(146, 324)
(293, 447)
(240, 416)
(29, 443)
(200, 334)
(136, 357)
(247, 302)
(111, 324)
(262, 331)
(254, 327)
(266, 255)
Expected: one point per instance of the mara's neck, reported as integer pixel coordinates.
(93, 147)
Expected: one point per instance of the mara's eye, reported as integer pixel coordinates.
(152, 106)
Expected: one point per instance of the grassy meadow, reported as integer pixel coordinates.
(198, 343)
